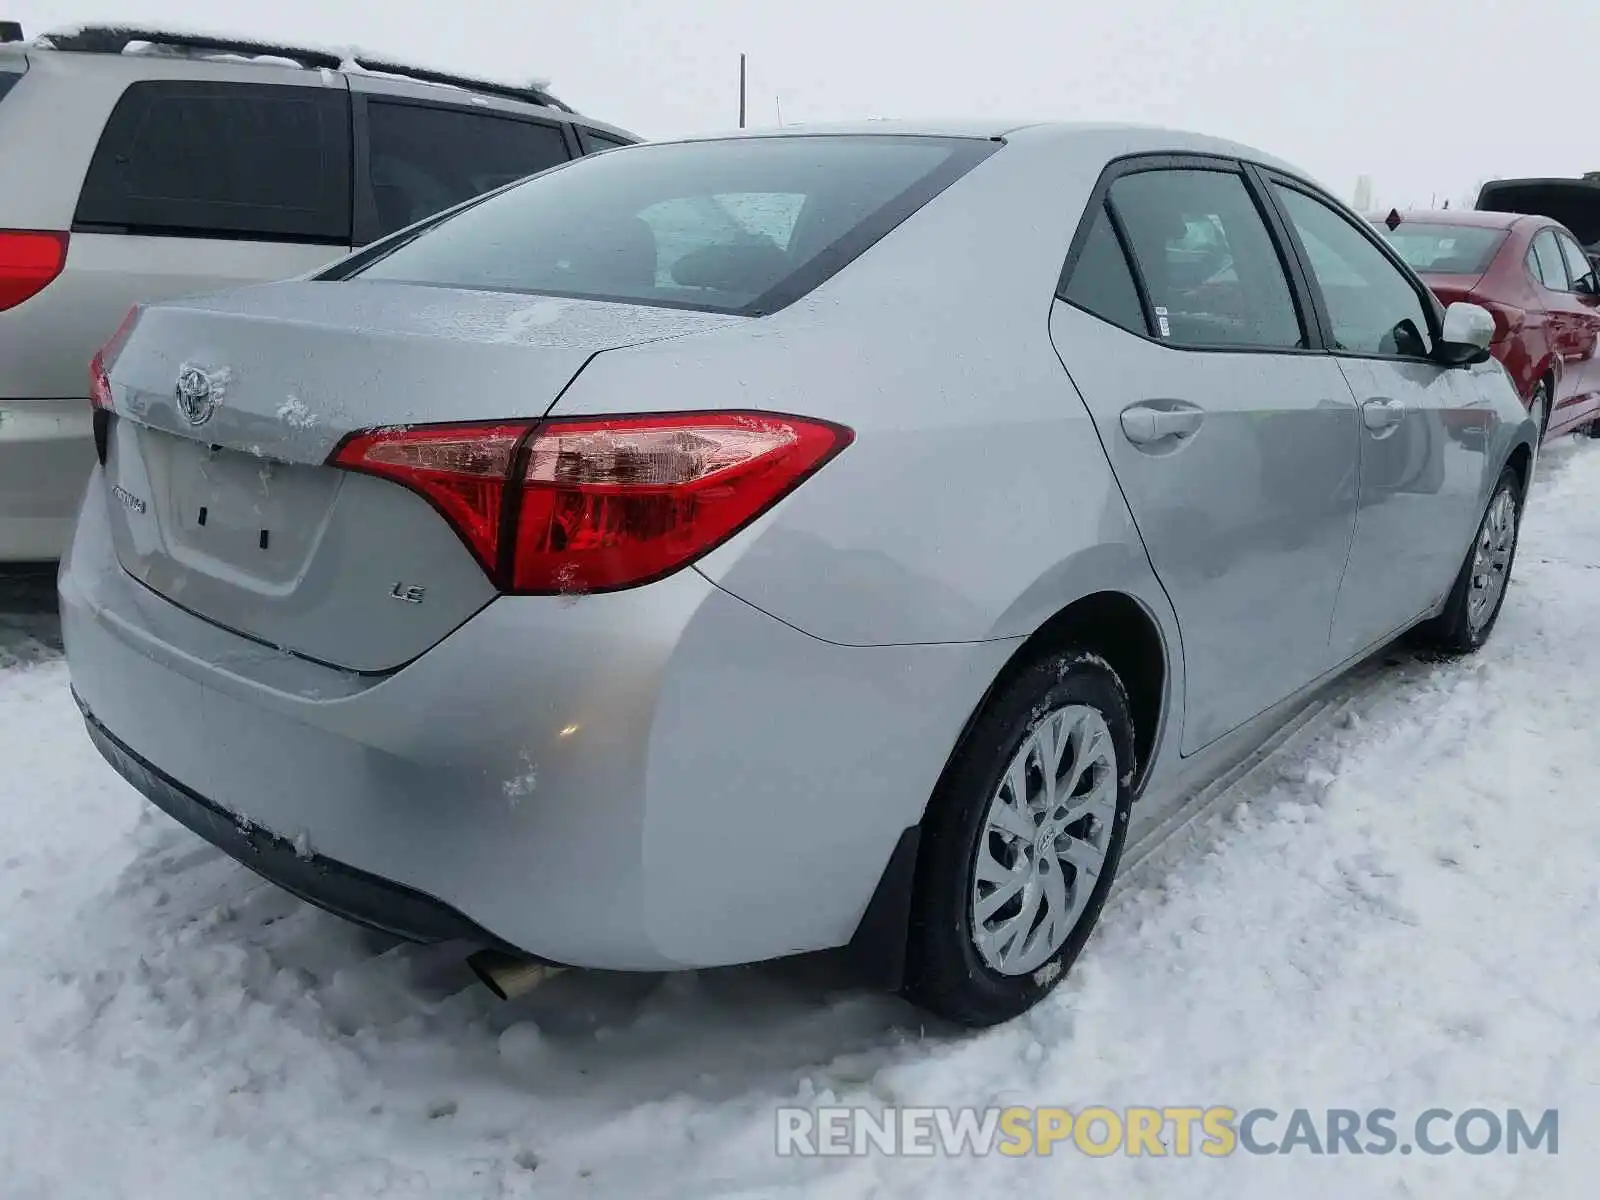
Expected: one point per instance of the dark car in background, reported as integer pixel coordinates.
(1537, 280)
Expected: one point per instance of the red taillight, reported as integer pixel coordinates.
(30, 260)
(100, 364)
(591, 505)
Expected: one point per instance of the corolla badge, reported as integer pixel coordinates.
(197, 392)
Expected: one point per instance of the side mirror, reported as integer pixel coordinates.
(1587, 286)
(1464, 340)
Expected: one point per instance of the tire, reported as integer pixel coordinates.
(1069, 700)
(1465, 624)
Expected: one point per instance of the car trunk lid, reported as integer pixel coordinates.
(1573, 202)
(228, 409)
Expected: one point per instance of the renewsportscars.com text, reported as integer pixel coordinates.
(1160, 1132)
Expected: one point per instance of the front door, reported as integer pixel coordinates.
(1234, 445)
(1423, 431)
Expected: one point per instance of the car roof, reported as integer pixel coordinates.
(130, 40)
(1113, 139)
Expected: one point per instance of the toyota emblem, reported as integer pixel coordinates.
(197, 394)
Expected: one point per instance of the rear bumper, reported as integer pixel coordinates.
(46, 452)
(647, 780)
(337, 887)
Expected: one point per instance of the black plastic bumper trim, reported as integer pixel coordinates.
(333, 886)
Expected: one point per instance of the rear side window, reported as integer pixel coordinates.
(427, 159)
(8, 80)
(1209, 265)
(245, 160)
(742, 225)
(1101, 281)
(594, 141)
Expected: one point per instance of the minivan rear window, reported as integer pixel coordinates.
(1445, 249)
(195, 158)
(738, 225)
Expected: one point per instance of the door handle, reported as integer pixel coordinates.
(1383, 414)
(1144, 423)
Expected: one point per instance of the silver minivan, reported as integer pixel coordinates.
(143, 165)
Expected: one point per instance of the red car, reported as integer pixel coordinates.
(1539, 284)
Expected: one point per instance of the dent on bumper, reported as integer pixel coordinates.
(647, 780)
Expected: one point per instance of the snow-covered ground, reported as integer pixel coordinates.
(1400, 909)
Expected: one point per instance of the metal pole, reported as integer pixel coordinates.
(741, 91)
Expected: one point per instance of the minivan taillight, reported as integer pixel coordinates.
(597, 504)
(30, 260)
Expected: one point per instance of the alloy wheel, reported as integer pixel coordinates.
(1044, 840)
(1491, 558)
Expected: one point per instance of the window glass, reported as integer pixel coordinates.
(1211, 269)
(596, 141)
(1372, 305)
(8, 80)
(1547, 265)
(248, 160)
(717, 224)
(1101, 281)
(425, 160)
(1578, 265)
(1445, 249)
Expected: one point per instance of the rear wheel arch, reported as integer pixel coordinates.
(1113, 626)
(1521, 461)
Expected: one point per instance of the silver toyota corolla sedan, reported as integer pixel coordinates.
(720, 550)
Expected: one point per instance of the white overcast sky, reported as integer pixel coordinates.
(1429, 97)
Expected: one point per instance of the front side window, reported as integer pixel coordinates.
(1372, 306)
(1578, 264)
(1209, 265)
(1546, 263)
(741, 225)
(247, 160)
(425, 159)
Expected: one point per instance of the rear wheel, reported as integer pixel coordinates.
(1479, 593)
(1022, 843)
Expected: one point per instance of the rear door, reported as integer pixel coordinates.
(1582, 305)
(1422, 430)
(1232, 437)
(417, 155)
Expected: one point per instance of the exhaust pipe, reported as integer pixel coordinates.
(508, 975)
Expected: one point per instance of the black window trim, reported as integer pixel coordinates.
(1432, 310)
(196, 233)
(1311, 332)
(365, 225)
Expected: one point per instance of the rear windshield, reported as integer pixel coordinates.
(742, 225)
(1446, 249)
